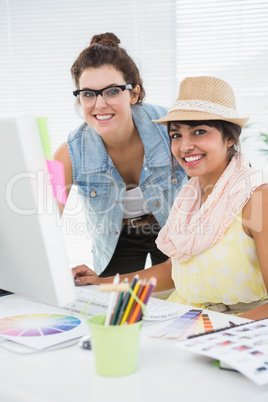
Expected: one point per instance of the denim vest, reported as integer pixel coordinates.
(102, 189)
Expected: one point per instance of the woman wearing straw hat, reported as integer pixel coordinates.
(217, 232)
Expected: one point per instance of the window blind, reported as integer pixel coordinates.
(229, 39)
(41, 39)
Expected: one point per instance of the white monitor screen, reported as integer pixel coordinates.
(33, 259)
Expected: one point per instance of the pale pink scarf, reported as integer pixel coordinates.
(190, 230)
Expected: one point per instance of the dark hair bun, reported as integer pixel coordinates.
(106, 39)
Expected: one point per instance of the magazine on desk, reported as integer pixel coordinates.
(243, 347)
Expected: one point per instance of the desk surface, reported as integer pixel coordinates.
(165, 373)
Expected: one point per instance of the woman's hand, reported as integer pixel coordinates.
(85, 276)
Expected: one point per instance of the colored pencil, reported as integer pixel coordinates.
(112, 316)
(118, 305)
(139, 293)
(111, 302)
(138, 306)
(130, 302)
(126, 299)
(150, 291)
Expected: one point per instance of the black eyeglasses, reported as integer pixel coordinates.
(112, 94)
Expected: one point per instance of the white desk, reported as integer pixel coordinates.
(165, 373)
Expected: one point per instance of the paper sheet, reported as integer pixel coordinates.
(243, 347)
(57, 178)
(42, 125)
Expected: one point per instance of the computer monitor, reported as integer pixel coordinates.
(33, 258)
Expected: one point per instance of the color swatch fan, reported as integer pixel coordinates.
(191, 323)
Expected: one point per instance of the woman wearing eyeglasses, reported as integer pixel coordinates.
(119, 159)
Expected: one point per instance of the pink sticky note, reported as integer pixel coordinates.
(56, 170)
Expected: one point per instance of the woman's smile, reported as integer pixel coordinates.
(103, 118)
(193, 159)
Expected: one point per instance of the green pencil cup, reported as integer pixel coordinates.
(115, 347)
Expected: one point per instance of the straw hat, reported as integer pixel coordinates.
(204, 98)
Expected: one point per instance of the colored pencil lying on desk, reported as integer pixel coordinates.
(139, 293)
(118, 305)
(130, 302)
(150, 285)
(126, 300)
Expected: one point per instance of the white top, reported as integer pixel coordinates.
(135, 204)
